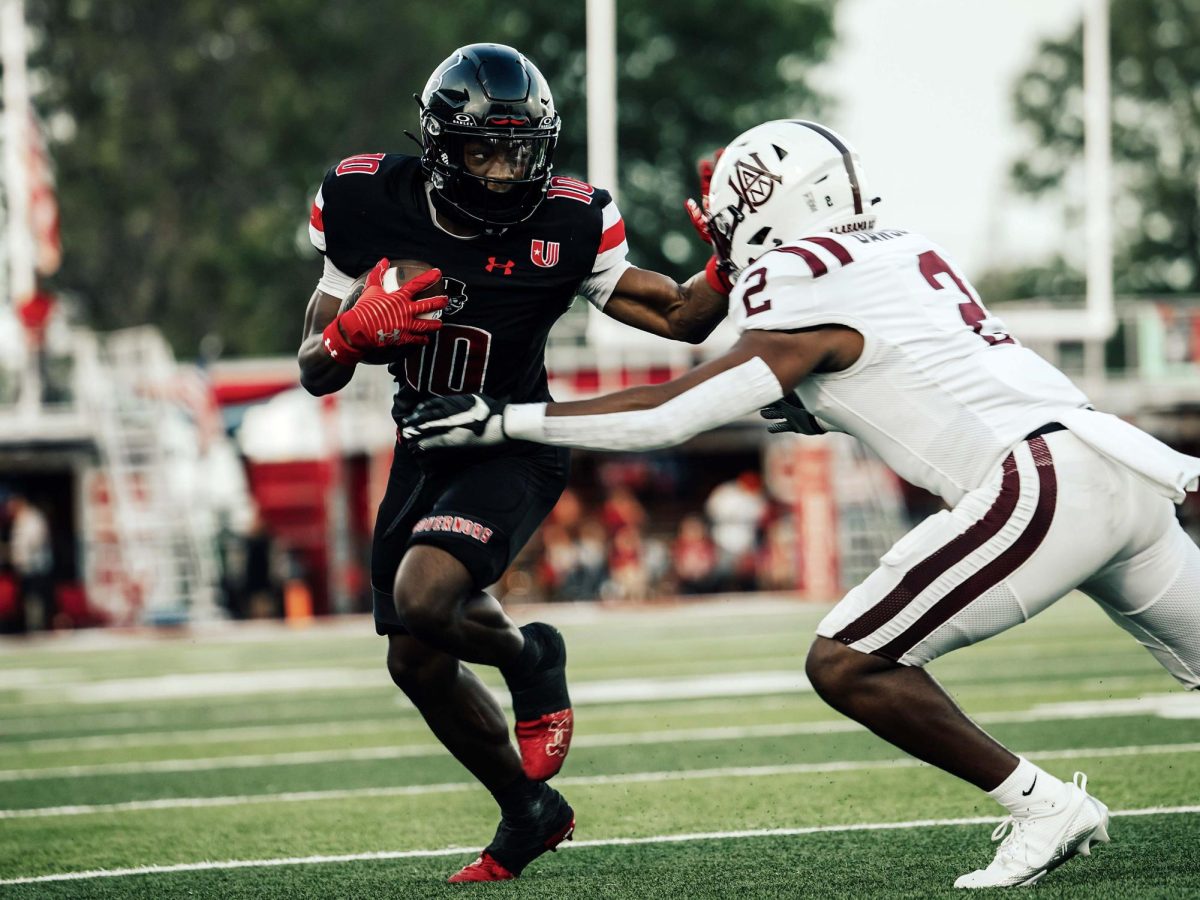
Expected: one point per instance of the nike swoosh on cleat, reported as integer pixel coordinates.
(1031, 787)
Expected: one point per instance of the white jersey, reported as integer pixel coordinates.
(941, 392)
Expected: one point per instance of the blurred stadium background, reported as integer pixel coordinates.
(161, 468)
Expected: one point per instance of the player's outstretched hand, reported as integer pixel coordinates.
(789, 414)
(717, 274)
(463, 420)
(698, 211)
(384, 319)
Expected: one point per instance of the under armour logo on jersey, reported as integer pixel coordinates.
(753, 182)
(544, 253)
(505, 267)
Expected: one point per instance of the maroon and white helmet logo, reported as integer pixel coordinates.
(752, 181)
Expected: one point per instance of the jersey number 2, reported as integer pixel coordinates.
(972, 311)
(454, 362)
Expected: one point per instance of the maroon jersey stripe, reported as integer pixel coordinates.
(840, 253)
(814, 262)
(994, 572)
(932, 567)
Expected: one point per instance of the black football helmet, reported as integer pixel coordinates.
(492, 94)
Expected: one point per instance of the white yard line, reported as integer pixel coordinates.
(1166, 706)
(243, 684)
(1171, 706)
(207, 736)
(577, 845)
(359, 629)
(565, 781)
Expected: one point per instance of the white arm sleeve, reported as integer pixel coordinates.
(334, 281)
(721, 399)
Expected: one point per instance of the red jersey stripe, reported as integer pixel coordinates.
(316, 218)
(840, 253)
(612, 236)
(814, 262)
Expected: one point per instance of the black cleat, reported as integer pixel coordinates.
(521, 840)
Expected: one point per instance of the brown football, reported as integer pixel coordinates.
(399, 271)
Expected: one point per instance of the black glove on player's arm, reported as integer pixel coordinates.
(789, 414)
(463, 420)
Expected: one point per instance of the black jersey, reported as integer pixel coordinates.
(506, 291)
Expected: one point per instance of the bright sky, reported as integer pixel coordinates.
(925, 91)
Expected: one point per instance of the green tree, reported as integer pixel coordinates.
(189, 139)
(1156, 139)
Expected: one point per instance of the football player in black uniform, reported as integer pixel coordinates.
(514, 245)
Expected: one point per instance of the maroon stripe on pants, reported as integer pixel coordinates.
(932, 567)
(994, 572)
(840, 253)
(814, 262)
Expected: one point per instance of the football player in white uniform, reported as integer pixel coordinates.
(876, 333)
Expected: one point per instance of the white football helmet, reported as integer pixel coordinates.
(779, 182)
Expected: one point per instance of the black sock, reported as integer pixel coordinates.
(519, 798)
(531, 654)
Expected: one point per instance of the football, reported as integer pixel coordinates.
(399, 272)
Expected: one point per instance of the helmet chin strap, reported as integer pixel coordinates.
(453, 221)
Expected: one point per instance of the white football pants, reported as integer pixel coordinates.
(1054, 516)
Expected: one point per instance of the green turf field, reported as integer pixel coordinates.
(264, 763)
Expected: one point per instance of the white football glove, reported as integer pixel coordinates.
(790, 414)
(464, 420)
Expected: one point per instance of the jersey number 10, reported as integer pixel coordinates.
(972, 311)
(454, 362)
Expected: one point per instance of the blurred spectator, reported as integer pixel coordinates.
(15, 356)
(629, 551)
(568, 511)
(694, 557)
(559, 557)
(622, 510)
(656, 563)
(262, 583)
(32, 561)
(626, 565)
(737, 510)
(591, 563)
(777, 569)
(254, 570)
(35, 315)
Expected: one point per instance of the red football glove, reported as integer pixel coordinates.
(717, 278)
(380, 320)
(698, 213)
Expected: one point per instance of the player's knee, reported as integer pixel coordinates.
(834, 670)
(428, 591)
(425, 607)
(415, 667)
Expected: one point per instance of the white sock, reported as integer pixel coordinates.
(1029, 790)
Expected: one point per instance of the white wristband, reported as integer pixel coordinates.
(334, 281)
(525, 421)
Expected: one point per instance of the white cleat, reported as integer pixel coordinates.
(1034, 845)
